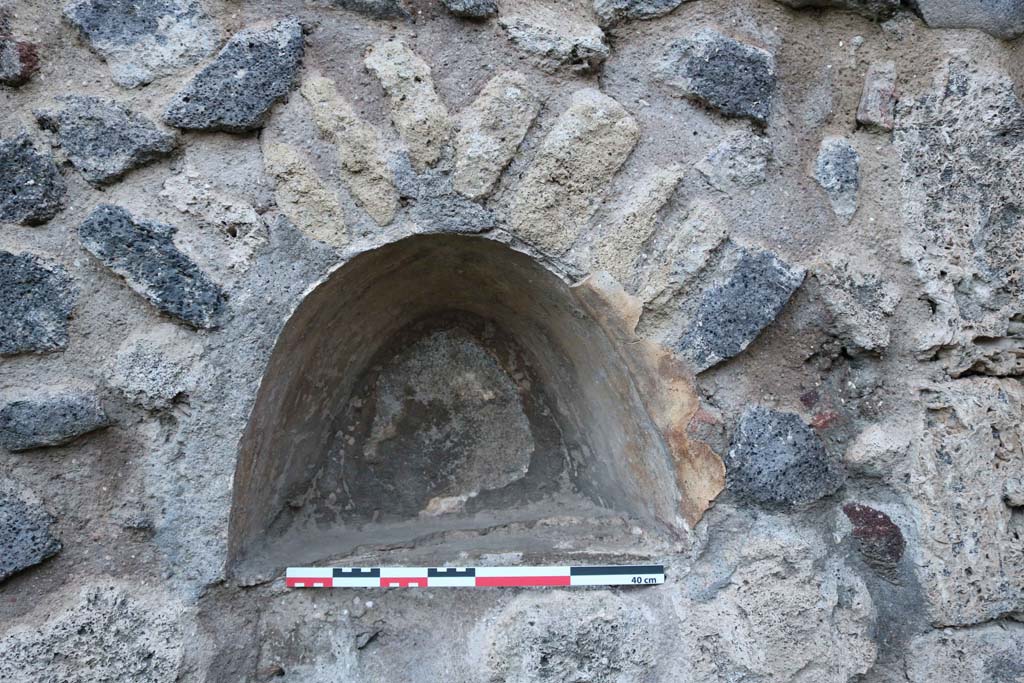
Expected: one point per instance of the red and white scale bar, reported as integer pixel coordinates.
(452, 577)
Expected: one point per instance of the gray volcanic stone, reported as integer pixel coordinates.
(472, 9)
(837, 170)
(26, 536)
(49, 419)
(738, 162)
(612, 12)
(103, 139)
(35, 304)
(878, 100)
(730, 315)
(144, 39)
(143, 253)
(234, 93)
(437, 207)
(874, 9)
(378, 9)
(735, 78)
(777, 459)
(1002, 18)
(18, 60)
(31, 188)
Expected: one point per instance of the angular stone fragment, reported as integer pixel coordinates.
(777, 459)
(874, 9)
(152, 368)
(837, 170)
(18, 61)
(103, 139)
(142, 40)
(877, 102)
(26, 531)
(416, 110)
(970, 543)
(732, 77)
(36, 301)
(879, 541)
(235, 92)
(578, 157)
(31, 188)
(988, 653)
(612, 12)
(861, 304)
(378, 9)
(1002, 18)
(738, 162)
(731, 314)
(361, 151)
(878, 449)
(103, 632)
(490, 131)
(556, 38)
(49, 418)
(310, 205)
(472, 9)
(436, 207)
(143, 253)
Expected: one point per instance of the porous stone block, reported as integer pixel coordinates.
(472, 9)
(754, 288)
(874, 9)
(776, 459)
(988, 653)
(578, 157)
(49, 418)
(490, 131)
(310, 205)
(26, 531)
(143, 253)
(154, 368)
(436, 207)
(877, 102)
(738, 162)
(19, 59)
(416, 110)
(36, 301)
(1002, 18)
(104, 139)
(734, 78)
(235, 92)
(378, 9)
(837, 170)
(142, 40)
(31, 188)
(557, 39)
(879, 540)
(612, 12)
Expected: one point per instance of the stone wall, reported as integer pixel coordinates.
(796, 227)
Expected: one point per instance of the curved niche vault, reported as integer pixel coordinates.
(452, 384)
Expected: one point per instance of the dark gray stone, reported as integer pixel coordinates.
(735, 78)
(142, 40)
(378, 9)
(612, 12)
(777, 459)
(472, 9)
(26, 535)
(730, 315)
(103, 139)
(35, 304)
(18, 61)
(31, 188)
(837, 170)
(1001, 18)
(235, 92)
(873, 9)
(49, 419)
(143, 253)
(436, 207)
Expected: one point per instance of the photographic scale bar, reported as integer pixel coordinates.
(459, 577)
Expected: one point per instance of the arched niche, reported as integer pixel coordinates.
(451, 383)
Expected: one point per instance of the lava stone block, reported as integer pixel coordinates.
(49, 420)
(31, 188)
(103, 139)
(235, 92)
(18, 61)
(472, 9)
(777, 459)
(26, 536)
(378, 9)
(143, 253)
(732, 77)
(35, 304)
